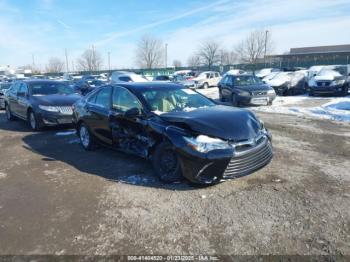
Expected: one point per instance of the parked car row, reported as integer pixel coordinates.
(182, 132)
(318, 80)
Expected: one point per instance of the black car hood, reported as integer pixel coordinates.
(57, 100)
(223, 122)
(250, 88)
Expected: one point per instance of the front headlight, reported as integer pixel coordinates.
(271, 92)
(204, 144)
(338, 82)
(49, 108)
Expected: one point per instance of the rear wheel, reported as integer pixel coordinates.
(345, 91)
(166, 163)
(87, 140)
(9, 115)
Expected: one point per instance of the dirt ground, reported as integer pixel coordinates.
(55, 198)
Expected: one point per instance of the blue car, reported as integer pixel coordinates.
(245, 90)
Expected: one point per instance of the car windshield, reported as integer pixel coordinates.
(4, 86)
(246, 80)
(175, 100)
(329, 72)
(204, 75)
(50, 88)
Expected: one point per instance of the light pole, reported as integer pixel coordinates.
(66, 54)
(166, 55)
(109, 61)
(266, 34)
(33, 61)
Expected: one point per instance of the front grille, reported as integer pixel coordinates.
(249, 160)
(323, 83)
(259, 93)
(65, 110)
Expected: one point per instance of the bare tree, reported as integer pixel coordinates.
(194, 61)
(177, 63)
(209, 53)
(252, 48)
(91, 60)
(55, 65)
(227, 57)
(150, 52)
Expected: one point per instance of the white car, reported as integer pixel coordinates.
(123, 76)
(207, 79)
(266, 71)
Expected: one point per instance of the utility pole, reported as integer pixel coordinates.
(166, 55)
(109, 62)
(33, 62)
(266, 34)
(66, 54)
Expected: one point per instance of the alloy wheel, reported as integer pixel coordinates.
(32, 120)
(84, 136)
(8, 113)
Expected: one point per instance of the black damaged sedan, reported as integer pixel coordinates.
(181, 131)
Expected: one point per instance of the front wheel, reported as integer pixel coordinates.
(9, 115)
(33, 121)
(205, 85)
(234, 100)
(345, 91)
(166, 163)
(87, 140)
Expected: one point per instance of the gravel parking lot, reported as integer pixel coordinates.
(55, 198)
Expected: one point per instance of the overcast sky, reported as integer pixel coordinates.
(46, 27)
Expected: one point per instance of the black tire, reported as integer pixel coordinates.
(166, 163)
(311, 93)
(234, 100)
(221, 99)
(345, 91)
(9, 115)
(87, 140)
(33, 121)
(205, 86)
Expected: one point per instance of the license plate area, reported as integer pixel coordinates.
(259, 101)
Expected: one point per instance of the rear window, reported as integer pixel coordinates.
(50, 88)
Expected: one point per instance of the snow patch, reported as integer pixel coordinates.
(2, 175)
(74, 141)
(66, 133)
(338, 109)
(136, 179)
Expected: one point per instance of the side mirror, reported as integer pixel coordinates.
(132, 113)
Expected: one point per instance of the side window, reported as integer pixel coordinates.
(125, 79)
(123, 100)
(92, 98)
(103, 97)
(229, 80)
(224, 80)
(217, 75)
(23, 88)
(15, 88)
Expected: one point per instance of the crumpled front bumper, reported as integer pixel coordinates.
(219, 165)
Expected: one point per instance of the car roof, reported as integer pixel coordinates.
(34, 81)
(145, 86)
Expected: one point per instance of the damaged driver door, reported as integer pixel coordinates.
(127, 123)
